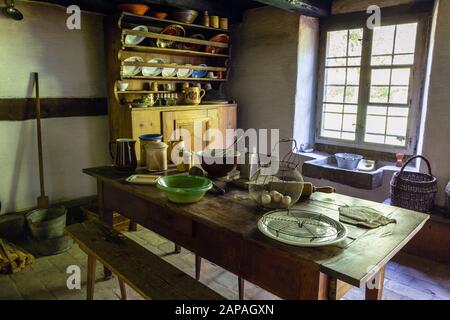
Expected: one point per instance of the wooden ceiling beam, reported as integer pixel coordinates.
(315, 8)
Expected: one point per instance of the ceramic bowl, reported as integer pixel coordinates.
(218, 38)
(135, 40)
(186, 16)
(153, 71)
(184, 189)
(159, 15)
(218, 162)
(139, 9)
(132, 70)
(200, 73)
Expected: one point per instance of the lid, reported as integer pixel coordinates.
(151, 137)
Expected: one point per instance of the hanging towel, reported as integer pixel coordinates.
(364, 217)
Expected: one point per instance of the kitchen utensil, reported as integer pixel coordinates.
(194, 95)
(278, 184)
(186, 16)
(218, 38)
(143, 140)
(307, 190)
(302, 228)
(135, 40)
(197, 171)
(139, 9)
(172, 30)
(159, 15)
(42, 199)
(143, 179)
(200, 73)
(125, 155)
(193, 46)
(184, 73)
(122, 86)
(217, 162)
(11, 11)
(156, 156)
(414, 190)
(169, 72)
(223, 23)
(348, 161)
(214, 22)
(184, 189)
(153, 71)
(130, 71)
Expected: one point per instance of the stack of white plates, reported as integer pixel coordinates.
(129, 71)
(169, 72)
(153, 71)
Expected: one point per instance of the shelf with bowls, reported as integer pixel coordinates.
(173, 79)
(169, 51)
(129, 18)
(140, 92)
(177, 66)
(161, 36)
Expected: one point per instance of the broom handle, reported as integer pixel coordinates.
(39, 135)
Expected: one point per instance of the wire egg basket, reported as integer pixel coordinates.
(278, 184)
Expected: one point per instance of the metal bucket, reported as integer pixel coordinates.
(348, 161)
(47, 224)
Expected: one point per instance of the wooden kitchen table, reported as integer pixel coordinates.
(223, 229)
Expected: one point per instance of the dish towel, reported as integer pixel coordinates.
(364, 217)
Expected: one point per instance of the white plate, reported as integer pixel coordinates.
(169, 72)
(143, 179)
(302, 228)
(135, 40)
(153, 71)
(184, 73)
(129, 71)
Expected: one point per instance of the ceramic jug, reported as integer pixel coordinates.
(194, 95)
(125, 154)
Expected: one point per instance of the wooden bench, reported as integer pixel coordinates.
(145, 272)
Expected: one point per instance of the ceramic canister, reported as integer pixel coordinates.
(156, 155)
(144, 139)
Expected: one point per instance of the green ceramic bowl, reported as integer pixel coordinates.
(184, 189)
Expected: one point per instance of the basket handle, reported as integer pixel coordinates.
(413, 158)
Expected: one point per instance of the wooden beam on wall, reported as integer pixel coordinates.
(24, 108)
(347, 6)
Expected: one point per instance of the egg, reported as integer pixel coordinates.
(277, 197)
(266, 199)
(286, 201)
(273, 193)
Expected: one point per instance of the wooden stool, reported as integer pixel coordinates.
(198, 267)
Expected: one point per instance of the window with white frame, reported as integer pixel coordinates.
(370, 86)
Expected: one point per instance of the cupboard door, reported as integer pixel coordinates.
(227, 120)
(195, 125)
(144, 122)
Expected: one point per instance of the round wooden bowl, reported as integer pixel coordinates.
(159, 15)
(186, 16)
(139, 9)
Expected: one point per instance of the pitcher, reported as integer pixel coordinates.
(194, 95)
(125, 155)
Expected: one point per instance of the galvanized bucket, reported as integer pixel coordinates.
(47, 224)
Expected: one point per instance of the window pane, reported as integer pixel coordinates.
(355, 42)
(333, 108)
(348, 136)
(337, 43)
(353, 76)
(349, 122)
(381, 77)
(397, 126)
(405, 40)
(399, 112)
(335, 76)
(332, 121)
(334, 94)
(383, 40)
(377, 111)
(382, 61)
(354, 61)
(399, 95)
(350, 109)
(400, 77)
(396, 141)
(336, 62)
(331, 134)
(379, 94)
(376, 124)
(374, 138)
(351, 95)
(404, 59)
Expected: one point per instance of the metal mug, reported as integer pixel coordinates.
(125, 154)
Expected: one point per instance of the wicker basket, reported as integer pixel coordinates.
(413, 190)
